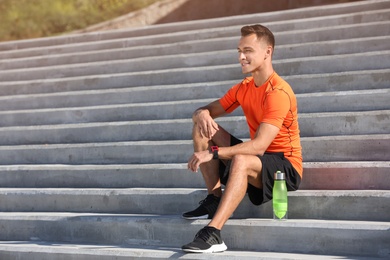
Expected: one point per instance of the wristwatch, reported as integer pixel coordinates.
(214, 150)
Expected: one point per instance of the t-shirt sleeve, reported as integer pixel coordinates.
(229, 101)
(276, 106)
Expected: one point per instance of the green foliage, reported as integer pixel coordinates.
(21, 19)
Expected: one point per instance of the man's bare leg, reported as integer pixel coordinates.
(210, 170)
(244, 169)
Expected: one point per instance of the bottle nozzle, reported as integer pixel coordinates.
(279, 175)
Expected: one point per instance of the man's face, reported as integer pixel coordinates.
(252, 53)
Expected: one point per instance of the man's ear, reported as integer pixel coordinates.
(270, 51)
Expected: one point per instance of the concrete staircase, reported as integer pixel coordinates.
(95, 132)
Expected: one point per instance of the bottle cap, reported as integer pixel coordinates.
(279, 175)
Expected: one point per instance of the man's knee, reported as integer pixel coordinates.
(239, 163)
(196, 135)
(239, 158)
(246, 164)
(195, 130)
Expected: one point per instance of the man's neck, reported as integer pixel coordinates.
(260, 77)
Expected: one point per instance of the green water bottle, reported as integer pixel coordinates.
(279, 196)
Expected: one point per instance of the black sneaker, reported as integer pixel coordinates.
(207, 240)
(207, 208)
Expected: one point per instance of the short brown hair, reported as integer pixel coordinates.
(261, 32)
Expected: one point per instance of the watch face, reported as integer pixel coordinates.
(214, 150)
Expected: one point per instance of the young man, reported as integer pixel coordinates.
(270, 108)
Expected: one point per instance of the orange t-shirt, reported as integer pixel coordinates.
(274, 103)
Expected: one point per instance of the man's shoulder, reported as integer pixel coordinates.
(242, 85)
(247, 80)
(277, 82)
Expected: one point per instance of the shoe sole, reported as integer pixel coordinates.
(200, 217)
(195, 218)
(213, 249)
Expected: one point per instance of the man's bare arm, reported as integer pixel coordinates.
(204, 118)
(265, 134)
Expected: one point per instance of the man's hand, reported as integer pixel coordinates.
(197, 159)
(206, 124)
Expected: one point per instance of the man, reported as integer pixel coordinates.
(270, 108)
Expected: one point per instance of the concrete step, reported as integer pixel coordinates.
(198, 46)
(308, 103)
(214, 58)
(41, 250)
(346, 175)
(373, 205)
(357, 100)
(331, 237)
(343, 80)
(344, 123)
(39, 96)
(290, 36)
(309, 12)
(94, 147)
(80, 98)
(317, 176)
(338, 22)
(311, 124)
(346, 148)
(351, 175)
(315, 149)
(324, 64)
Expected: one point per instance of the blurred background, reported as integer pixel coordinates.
(22, 19)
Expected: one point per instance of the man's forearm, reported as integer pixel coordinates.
(245, 148)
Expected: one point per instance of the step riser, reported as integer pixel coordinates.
(73, 254)
(359, 123)
(314, 150)
(370, 149)
(364, 61)
(282, 52)
(136, 79)
(375, 79)
(334, 102)
(116, 96)
(103, 229)
(367, 206)
(350, 176)
(351, 124)
(344, 101)
(343, 81)
(21, 250)
(317, 176)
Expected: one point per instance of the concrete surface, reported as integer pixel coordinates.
(96, 128)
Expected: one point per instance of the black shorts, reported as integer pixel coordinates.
(271, 162)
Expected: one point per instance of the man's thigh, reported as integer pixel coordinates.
(249, 165)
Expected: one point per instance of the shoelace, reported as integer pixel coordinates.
(205, 234)
(208, 200)
(210, 204)
(203, 201)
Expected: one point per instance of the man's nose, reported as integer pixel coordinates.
(241, 56)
